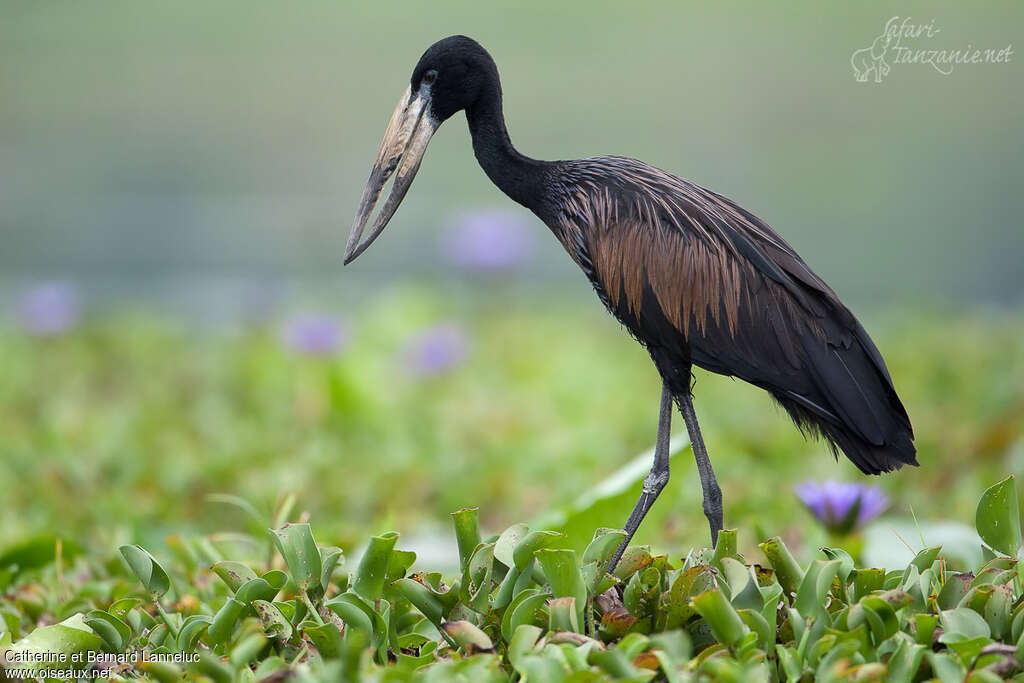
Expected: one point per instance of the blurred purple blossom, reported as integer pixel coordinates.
(436, 350)
(842, 506)
(315, 334)
(489, 240)
(50, 309)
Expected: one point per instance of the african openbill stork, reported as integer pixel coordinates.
(696, 279)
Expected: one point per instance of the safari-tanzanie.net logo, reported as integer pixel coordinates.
(906, 43)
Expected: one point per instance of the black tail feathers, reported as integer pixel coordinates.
(852, 404)
(896, 451)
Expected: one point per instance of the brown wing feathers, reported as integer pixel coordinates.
(673, 236)
(691, 273)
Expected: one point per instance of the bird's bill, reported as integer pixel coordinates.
(404, 144)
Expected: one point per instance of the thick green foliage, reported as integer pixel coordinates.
(523, 608)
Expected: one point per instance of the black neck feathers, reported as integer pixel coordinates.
(517, 175)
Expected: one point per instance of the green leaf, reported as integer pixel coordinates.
(726, 624)
(603, 546)
(924, 628)
(327, 639)
(562, 615)
(467, 534)
(743, 588)
(614, 663)
(726, 545)
(276, 578)
(35, 553)
(247, 650)
(211, 666)
(191, 630)
(634, 559)
(273, 620)
(904, 662)
(522, 611)
(163, 672)
(506, 589)
(998, 612)
(954, 589)
(147, 570)
(787, 571)
(965, 622)
(998, 517)
(224, 621)
(521, 643)
(504, 547)
(816, 584)
(846, 567)
(477, 578)
(877, 614)
(255, 589)
(525, 549)
(330, 558)
(468, 637)
(924, 559)
(121, 608)
(114, 632)
(688, 584)
(354, 614)
(234, 574)
(967, 649)
(398, 564)
(866, 581)
(68, 638)
(542, 669)
(563, 575)
(298, 548)
(373, 566)
(946, 667)
(422, 599)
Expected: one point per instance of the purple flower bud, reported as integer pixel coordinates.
(491, 240)
(314, 334)
(436, 350)
(50, 309)
(842, 506)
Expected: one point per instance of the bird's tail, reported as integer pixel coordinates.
(854, 407)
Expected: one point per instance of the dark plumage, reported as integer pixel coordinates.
(694, 277)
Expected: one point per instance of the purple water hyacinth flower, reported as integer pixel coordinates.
(490, 240)
(842, 506)
(50, 309)
(315, 334)
(436, 350)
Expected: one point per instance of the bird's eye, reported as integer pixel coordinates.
(430, 77)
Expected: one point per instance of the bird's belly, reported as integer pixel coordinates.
(665, 342)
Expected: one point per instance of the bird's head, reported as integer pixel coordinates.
(450, 76)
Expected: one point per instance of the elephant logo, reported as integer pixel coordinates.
(870, 61)
(906, 42)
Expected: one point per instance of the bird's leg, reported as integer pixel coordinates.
(656, 480)
(712, 494)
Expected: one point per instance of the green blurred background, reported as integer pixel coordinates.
(189, 170)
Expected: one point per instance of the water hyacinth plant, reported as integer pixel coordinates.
(436, 350)
(490, 240)
(50, 309)
(522, 607)
(314, 335)
(842, 507)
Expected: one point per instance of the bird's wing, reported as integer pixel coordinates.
(705, 260)
(682, 266)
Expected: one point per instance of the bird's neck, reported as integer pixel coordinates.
(515, 174)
